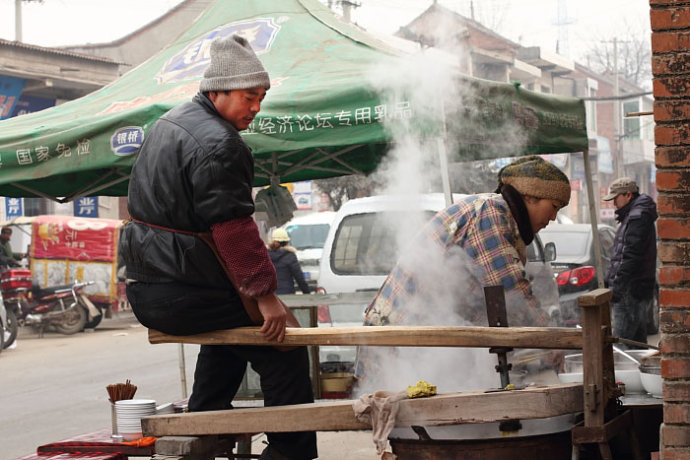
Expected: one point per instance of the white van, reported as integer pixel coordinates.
(363, 246)
(308, 234)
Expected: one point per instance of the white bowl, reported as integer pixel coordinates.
(131, 436)
(651, 383)
(631, 378)
(573, 362)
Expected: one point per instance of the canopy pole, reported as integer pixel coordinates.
(445, 174)
(593, 218)
(183, 370)
(443, 157)
(275, 178)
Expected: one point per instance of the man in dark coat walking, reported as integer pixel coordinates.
(631, 274)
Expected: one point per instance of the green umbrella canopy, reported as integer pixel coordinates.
(321, 118)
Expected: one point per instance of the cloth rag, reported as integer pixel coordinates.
(141, 442)
(379, 410)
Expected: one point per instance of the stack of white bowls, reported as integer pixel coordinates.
(129, 413)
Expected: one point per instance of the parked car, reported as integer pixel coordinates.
(308, 234)
(575, 265)
(363, 246)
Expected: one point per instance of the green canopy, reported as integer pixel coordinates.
(321, 118)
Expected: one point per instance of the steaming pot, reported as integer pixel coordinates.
(546, 439)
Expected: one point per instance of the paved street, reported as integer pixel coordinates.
(54, 387)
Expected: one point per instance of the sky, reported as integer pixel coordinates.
(528, 22)
(69, 22)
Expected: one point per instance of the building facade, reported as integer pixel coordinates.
(42, 77)
(619, 145)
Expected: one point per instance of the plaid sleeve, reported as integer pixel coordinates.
(491, 242)
(485, 229)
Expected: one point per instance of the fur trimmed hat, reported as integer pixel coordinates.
(536, 177)
(234, 65)
(280, 235)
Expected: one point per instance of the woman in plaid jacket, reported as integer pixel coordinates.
(478, 241)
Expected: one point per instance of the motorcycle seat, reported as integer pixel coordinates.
(50, 290)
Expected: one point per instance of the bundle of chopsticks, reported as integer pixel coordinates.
(120, 391)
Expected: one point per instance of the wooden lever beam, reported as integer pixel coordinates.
(396, 336)
(445, 409)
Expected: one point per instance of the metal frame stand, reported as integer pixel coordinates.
(602, 423)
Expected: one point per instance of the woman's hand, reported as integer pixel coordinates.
(555, 359)
(275, 317)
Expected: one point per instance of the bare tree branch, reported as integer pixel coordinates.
(343, 188)
(634, 56)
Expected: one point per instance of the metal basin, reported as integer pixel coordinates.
(625, 369)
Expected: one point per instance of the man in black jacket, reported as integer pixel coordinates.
(193, 176)
(631, 274)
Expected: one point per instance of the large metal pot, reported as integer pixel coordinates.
(536, 439)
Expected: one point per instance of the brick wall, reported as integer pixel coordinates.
(670, 22)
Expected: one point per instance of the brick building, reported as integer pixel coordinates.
(614, 151)
(670, 20)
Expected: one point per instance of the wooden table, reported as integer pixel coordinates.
(94, 442)
(75, 456)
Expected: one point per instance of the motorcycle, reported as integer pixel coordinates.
(65, 308)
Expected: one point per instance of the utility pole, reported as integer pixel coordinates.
(562, 22)
(18, 18)
(347, 6)
(617, 112)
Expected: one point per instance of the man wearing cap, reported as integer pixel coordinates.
(631, 275)
(192, 177)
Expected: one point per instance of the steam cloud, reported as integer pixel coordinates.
(435, 112)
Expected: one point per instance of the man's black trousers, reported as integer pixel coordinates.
(182, 309)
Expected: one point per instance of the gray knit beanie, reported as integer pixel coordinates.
(234, 65)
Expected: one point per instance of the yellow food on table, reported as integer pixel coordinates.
(421, 389)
